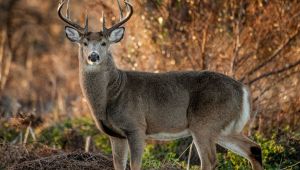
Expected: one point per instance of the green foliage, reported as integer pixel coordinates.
(159, 2)
(156, 157)
(232, 161)
(102, 142)
(281, 150)
(277, 154)
(54, 135)
(7, 132)
(149, 158)
(85, 126)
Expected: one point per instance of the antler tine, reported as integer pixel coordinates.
(103, 23)
(68, 10)
(68, 20)
(128, 1)
(86, 24)
(123, 20)
(120, 9)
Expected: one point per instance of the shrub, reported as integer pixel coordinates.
(55, 135)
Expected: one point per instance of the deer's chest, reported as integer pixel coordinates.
(110, 130)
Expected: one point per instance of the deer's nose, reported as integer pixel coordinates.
(94, 57)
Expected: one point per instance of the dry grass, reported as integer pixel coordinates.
(41, 157)
(37, 156)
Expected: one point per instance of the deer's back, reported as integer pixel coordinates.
(191, 81)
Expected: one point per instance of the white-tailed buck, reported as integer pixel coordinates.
(131, 107)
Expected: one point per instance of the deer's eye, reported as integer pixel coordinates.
(85, 44)
(103, 44)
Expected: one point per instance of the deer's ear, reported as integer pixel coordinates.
(72, 34)
(117, 35)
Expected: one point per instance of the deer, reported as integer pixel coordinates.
(131, 106)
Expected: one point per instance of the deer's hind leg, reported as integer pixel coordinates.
(206, 148)
(244, 147)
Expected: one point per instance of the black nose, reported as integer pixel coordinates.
(94, 57)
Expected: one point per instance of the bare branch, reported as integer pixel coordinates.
(87, 143)
(237, 44)
(204, 41)
(273, 85)
(244, 58)
(265, 75)
(191, 62)
(273, 56)
(203, 45)
(2, 44)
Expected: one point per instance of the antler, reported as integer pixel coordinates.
(68, 20)
(122, 20)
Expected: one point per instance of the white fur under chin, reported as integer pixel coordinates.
(93, 63)
(238, 125)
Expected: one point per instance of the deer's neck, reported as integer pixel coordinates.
(117, 80)
(101, 85)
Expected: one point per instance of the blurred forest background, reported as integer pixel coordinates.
(254, 41)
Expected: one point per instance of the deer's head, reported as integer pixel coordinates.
(94, 46)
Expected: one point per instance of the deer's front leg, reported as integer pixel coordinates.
(119, 152)
(136, 141)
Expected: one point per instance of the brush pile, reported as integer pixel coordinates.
(37, 156)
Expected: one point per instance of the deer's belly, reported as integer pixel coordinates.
(169, 136)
